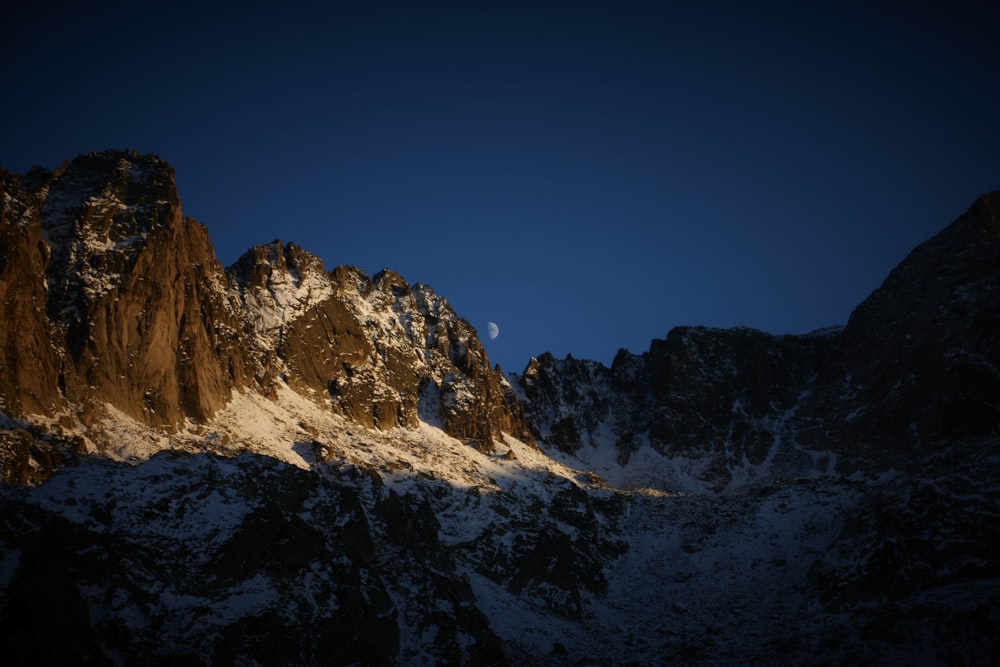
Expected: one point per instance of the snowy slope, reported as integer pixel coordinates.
(468, 553)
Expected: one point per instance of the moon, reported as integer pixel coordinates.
(492, 330)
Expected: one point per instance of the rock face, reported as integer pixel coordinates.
(111, 296)
(385, 353)
(923, 351)
(114, 295)
(30, 368)
(721, 399)
(914, 369)
(279, 464)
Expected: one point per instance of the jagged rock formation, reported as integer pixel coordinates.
(386, 353)
(726, 497)
(120, 297)
(721, 399)
(915, 367)
(111, 296)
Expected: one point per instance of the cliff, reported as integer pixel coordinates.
(914, 370)
(112, 297)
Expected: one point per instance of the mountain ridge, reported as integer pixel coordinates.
(279, 464)
(108, 238)
(916, 360)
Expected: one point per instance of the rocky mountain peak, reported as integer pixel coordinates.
(107, 197)
(121, 300)
(390, 282)
(937, 277)
(277, 283)
(125, 299)
(96, 213)
(321, 466)
(925, 345)
(710, 409)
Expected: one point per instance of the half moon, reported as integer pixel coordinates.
(492, 330)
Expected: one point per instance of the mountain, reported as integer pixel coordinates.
(914, 370)
(113, 300)
(274, 463)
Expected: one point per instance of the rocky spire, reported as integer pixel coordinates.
(129, 304)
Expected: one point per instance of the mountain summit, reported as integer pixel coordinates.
(914, 370)
(113, 298)
(274, 463)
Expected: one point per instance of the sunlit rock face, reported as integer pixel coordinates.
(384, 353)
(279, 464)
(128, 304)
(112, 296)
(31, 368)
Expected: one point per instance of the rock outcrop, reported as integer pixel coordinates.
(922, 353)
(720, 401)
(128, 304)
(110, 296)
(915, 367)
(383, 353)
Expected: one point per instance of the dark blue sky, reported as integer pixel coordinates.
(587, 175)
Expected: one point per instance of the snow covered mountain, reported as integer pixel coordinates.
(914, 371)
(278, 464)
(114, 301)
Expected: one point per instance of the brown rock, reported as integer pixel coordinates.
(111, 295)
(31, 364)
(138, 312)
